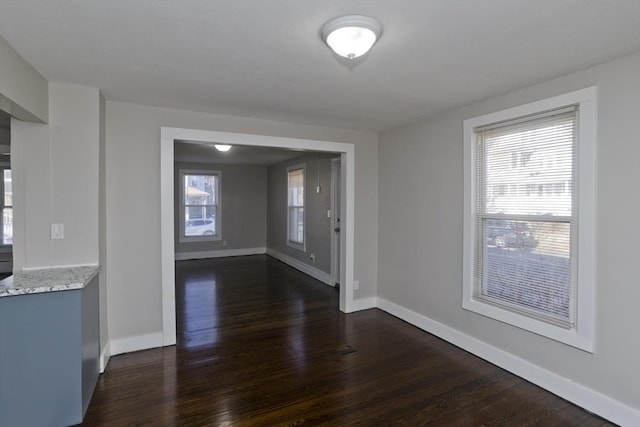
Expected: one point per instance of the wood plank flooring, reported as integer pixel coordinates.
(261, 344)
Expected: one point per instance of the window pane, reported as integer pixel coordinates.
(8, 192)
(527, 264)
(296, 187)
(200, 190)
(7, 226)
(200, 220)
(536, 278)
(296, 224)
(527, 169)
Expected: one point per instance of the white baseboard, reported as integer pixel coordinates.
(136, 343)
(301, 266)
(182, 256)
(363, 304)
(580, 395)
(105, 354)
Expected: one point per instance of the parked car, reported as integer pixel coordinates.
(505, 233)
(200, 227)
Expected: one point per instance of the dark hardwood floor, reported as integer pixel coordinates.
(260, 343)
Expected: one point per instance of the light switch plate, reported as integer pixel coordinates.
(57, 231)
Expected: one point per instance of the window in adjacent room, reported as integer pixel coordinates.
(199, 214)
(7, 207)
(295, 218)
(529, 216)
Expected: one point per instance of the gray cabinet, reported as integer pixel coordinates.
(49, 354)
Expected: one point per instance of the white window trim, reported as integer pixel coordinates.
(303, 246)
(582, 335)
(189, 239)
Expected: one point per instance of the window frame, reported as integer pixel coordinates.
(291, 243)
(583, 241)
(181, 206)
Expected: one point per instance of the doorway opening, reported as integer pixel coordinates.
(344, 239)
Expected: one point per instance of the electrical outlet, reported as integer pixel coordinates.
(313, 257)
(329, 213)
(356, 285)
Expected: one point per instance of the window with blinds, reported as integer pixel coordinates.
(525, 215)
(295, 220)
(529, 216)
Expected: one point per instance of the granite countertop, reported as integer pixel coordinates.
(47, 280)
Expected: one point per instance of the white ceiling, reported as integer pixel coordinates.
(265, 58)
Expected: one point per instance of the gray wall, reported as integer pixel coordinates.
(5, 128)
(244, 208)
(420, 241)
(318, 226)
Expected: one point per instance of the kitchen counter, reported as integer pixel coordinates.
(47, 280)
(49, 345)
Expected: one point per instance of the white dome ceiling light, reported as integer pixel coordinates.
(222, 147)
(351, 36)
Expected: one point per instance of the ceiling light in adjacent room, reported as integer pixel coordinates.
(222, 147)
(351, 36)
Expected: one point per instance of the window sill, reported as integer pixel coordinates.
(194, 239)
(570, 337)
(299, 246)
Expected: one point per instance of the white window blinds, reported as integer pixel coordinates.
(524, 215)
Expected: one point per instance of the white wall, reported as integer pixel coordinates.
(133, 195)
(56, 181)
(23, 91)
(420, 241)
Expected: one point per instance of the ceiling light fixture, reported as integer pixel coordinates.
(351, 36)
(222, 147)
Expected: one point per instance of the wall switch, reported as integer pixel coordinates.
(329, 213)
(318, 189)
(356, 285)
(224, 243)
(57, 231)
(313, 257)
